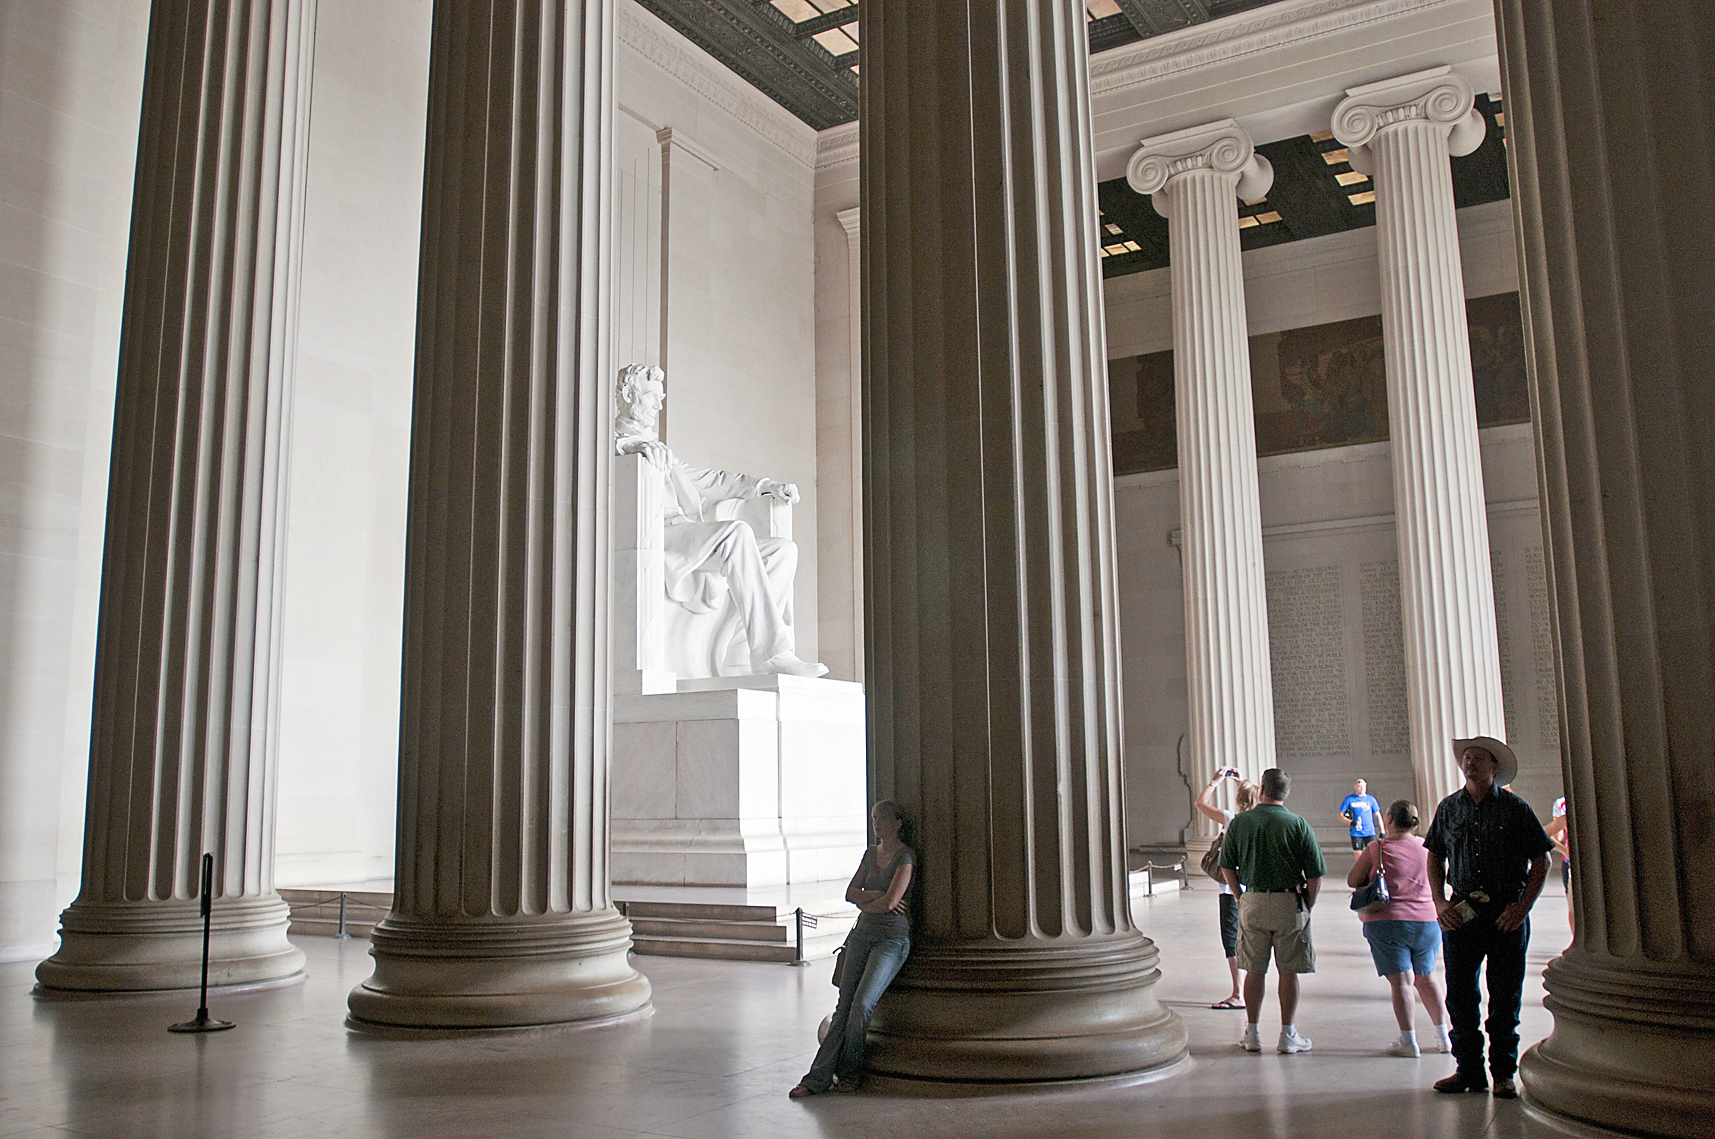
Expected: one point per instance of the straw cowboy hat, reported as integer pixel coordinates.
(1508, 769)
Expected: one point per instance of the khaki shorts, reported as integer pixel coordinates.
(1274, 921)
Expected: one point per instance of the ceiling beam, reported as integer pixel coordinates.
(816, 25)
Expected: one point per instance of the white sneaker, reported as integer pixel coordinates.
(1293, 1041)
(1404, 1048)
(1251, 1042)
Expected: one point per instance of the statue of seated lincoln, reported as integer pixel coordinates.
(708, 560)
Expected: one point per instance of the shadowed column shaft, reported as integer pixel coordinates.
(501, 912)
(1447, 596)
(185, 716)
(1612, 138)
(990, 634)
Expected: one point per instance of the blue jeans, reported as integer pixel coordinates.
(1465, 950)
(871, 964)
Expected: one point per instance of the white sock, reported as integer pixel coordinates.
(1408, 1036)
(1286, 1030)
(1251, 1028)
(1445, 1036)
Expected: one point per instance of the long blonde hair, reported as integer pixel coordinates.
(1247, 796)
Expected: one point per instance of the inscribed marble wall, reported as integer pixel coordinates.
(1331, 559)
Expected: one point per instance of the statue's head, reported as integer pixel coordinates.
(637, 401)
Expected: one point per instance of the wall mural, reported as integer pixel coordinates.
(1316, 387)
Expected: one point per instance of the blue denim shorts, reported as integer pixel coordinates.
(1401, 946)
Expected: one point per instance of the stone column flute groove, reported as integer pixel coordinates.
(185, 717)
(502, 914)
(1195, 178)
(990, 630)
(1403, 132)
(1609, 148)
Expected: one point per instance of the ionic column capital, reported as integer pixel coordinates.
(1221, 147)
(1437, 95)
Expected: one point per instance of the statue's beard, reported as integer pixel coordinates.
(629, 424)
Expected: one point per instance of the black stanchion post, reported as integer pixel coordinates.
(798, 957)
(204, 1022)
(342, 935)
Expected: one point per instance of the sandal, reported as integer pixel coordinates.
(842, 1086)
(1230, 1003)
(801, 1091)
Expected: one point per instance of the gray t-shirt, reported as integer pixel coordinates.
(880, 878)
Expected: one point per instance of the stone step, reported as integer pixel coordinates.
(704, 911)
(735, 930)
(771, 931)
(817, 947)
(719, 931)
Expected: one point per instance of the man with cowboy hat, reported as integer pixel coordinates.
(1487, 844)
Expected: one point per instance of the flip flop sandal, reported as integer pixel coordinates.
(1229, 1003)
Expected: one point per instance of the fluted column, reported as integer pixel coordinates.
(991, 643)
(1403, 132)
(1196, 178)
(1610, 123)
(501, 909)
(185, 717)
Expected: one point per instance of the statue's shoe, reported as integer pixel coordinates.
(788, 664)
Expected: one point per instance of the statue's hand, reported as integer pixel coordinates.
(653, 450)
(785, 491)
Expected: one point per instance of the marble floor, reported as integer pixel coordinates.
(725, 1043)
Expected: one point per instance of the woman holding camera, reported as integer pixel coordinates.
(1244, 799)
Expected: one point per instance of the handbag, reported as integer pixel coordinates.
(1212, 858)
(1372, 896)
(839, 964)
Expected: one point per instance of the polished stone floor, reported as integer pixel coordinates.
(725, 1043)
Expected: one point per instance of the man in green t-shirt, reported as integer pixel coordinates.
(1273, 855)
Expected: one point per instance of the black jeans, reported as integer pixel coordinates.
(1466, 949)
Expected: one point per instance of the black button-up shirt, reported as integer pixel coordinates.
(1488, 846)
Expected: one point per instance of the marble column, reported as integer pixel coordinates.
(1403, 133)
(502, 914)
(991, 642)
(1195, 178)
(187, 673)
(851, 221)
(1610, 129)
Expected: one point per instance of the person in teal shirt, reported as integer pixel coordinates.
(1359, 811)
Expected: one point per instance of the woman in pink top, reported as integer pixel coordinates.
(1404, 935)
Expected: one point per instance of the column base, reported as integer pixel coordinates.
(476, 973)
(137, 947)
(1632, 1047)
(1011, 1014)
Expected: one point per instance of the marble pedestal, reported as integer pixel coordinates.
(739, 781)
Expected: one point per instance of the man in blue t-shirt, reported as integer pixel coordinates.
(1360, 811)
